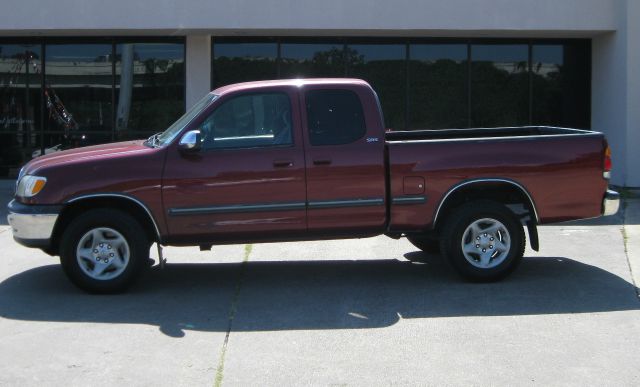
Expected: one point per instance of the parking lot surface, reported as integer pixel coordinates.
(354, 312)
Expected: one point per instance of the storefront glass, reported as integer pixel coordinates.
(559, 94)
(499, 85)
(384, 67)
(438, 86)
(433, 83)
(77, 94)
(20, 102)
(57, 94)
(235, 63)
(305, 60)
(149, 88)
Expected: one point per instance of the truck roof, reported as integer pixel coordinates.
(298, 82)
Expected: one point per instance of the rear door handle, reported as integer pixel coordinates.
(282, 163)
(322, 162)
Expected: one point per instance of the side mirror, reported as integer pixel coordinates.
(190, 142)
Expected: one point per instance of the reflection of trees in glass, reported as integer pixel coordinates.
(438, 94)
(312, 60)
(388, 78)
(228, 70)
(547, 85)
(560, 82)
(499, 94)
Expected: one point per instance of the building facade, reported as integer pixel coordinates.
(75, 72)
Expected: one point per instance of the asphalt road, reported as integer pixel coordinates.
(355, 312)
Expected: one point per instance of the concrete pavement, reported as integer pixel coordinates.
(356, 312)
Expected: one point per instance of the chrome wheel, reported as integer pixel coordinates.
(103, 253)
(486, 243)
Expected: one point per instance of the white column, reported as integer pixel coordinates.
(608, 98)
(198, 67)
(633, 93)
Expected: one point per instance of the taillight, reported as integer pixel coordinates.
(607, 163)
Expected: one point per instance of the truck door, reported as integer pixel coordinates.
(344, 160)
(248, 180)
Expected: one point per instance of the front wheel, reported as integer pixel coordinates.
(103, 251)
(483, 240)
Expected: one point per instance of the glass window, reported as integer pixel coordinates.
(438, 76)
(149, 87)
(560, 80)
(20, 102)
(384, 67)
(499, 85)
(78, 93)
(334, 117)
(252, 120)
(242, 62)
(311, 60)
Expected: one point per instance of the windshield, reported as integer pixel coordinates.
(168, 135)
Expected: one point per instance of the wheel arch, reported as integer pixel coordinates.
(505, 191)
(128, 204)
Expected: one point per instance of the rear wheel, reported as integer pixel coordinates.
(104, 251)
(483, 240)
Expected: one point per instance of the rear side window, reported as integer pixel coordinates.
(334, 117)
(252, 120)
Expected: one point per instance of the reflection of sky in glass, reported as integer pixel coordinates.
(94, 52)
(373, 52)
(76, 52)
(174, 51)
(548, 54)
(245, 50)
(305, 51)
(499, 52)
(9, 50)
(434, 52)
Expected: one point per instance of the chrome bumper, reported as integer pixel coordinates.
(32, 225)
(610, 203)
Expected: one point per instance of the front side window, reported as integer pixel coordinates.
(334, 117)
(252, 120)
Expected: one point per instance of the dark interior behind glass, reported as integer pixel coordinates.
(334, 117)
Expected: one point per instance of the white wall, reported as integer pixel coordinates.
(608, 105)
(513, 17)
(633, 93)
(615, 102)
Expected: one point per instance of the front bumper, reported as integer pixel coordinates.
(32, 225)
(610, 203)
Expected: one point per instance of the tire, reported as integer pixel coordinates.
(104, 251)
(483, 241)
(428, 245)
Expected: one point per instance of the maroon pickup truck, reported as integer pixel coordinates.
(293, 160)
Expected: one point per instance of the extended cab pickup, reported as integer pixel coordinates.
(308, 159)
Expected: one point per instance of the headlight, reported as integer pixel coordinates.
(29, 186)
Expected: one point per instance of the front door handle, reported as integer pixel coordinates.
(322, 162)
(282, 163)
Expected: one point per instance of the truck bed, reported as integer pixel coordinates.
(560, 169)
(483, 133)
